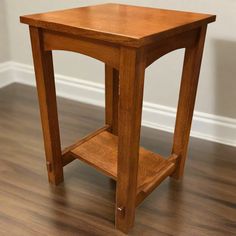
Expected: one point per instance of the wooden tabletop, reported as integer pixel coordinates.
(122, 24)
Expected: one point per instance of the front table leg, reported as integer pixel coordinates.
(132, 67)
(188, 89)
(48, 106)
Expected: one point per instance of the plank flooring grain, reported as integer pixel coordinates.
(204, 203)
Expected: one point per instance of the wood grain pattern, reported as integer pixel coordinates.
(105, 52)
(111, 98)
(187, 96)
(161, 48)
(48, 107)
(66, 155)
(164, 172)
(132, 69)
(203, 203)
(101, 150)
(127, 25)
(127, 39)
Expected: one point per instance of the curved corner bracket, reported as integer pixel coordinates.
(163, 47)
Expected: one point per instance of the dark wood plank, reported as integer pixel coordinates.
(203, 203)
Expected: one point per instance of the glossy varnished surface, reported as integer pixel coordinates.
(202, 204)
(123, 24)
(111, 26)
(101, 152)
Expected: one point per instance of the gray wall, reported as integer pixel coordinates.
(216, 94)
(4, 44)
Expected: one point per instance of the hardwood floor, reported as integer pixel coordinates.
(204, 203)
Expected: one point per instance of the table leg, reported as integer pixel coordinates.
(112, 97)
(188, 89)
(132, 67)
(43, 65)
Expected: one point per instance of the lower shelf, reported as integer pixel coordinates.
(100, 151)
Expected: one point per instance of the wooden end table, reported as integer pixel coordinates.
(127, 39)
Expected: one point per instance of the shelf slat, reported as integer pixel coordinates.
(66, 155)
(101, 150)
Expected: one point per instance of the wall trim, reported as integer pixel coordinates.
(205, 126)
(6, 74)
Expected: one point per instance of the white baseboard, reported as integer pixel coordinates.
(6, 74)
(205, 126)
